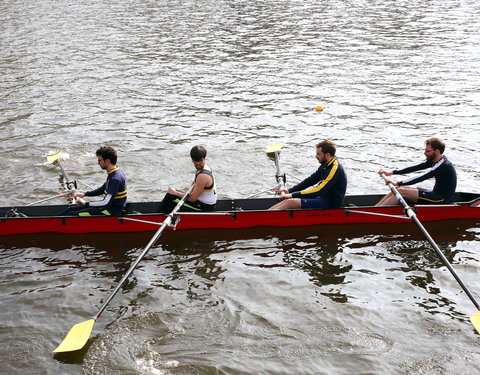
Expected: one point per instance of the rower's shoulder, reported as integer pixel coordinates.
(203, 177)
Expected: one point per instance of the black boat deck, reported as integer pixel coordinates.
(257, 204)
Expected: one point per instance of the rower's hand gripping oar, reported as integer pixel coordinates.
(78, 335)
(475, 318)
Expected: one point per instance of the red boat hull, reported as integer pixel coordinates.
(234, 219)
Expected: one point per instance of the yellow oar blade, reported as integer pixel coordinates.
(77, 337)
(475, 319)
(54, 155)
(274, 148)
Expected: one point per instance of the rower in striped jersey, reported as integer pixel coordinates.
(204, 194)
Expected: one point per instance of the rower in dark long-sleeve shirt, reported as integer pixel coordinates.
(436, 166)
(331, 183)
(443, 171)
(114, 190)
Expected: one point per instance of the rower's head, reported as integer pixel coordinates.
(106, 157)
(434, 148)
(198, 154)
(325, 151)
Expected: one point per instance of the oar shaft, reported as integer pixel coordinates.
(166, 222)
(411, 214)
(55, 157)
(68, 182)
(445, 261)
(261, 192)
(47, 199)
(281, 179)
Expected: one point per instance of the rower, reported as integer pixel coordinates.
(331, 183)
(114, 189)
(436, 166)
(204, 194)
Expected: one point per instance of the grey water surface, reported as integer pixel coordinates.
(154, 78)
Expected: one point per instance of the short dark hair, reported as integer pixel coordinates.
(436, 143)
(107, 152)
(327, 146)
(198, 153)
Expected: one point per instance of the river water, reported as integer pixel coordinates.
(153, 78)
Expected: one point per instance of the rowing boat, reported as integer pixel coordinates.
(230, 214)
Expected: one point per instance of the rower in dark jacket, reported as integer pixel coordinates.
(331, 183)
(436, 166)
(114, 189)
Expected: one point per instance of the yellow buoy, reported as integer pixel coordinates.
(319, 108)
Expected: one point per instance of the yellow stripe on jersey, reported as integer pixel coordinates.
(209, 189)
(324, 182)
(121, 194)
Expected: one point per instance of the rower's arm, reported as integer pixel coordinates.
(202, 181)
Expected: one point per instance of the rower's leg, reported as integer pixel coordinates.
(386, 198)
(287, 204)
(407, 192)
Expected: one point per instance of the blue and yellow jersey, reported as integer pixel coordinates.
(114, 189)
(331, 183)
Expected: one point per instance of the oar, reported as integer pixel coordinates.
(55, 157)
(69, 195)
(273, 152)
(79, 333)
(475, 318)
(261, 192)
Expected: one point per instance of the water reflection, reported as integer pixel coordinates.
(211, 324)
(411, 262)
(346, 265)
(322, 260)
(152, 77)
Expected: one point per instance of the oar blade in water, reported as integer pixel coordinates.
(274, 148)
(51, 157)
(77, 337)
(475, 319)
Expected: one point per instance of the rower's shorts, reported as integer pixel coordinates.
(170, 201)
(315, 203)
(429, 197)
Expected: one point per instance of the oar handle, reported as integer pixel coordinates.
(158, 233)
(411, 214)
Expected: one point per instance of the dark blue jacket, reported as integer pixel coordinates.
(332, 184)
(443, 171)
(115, 190)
